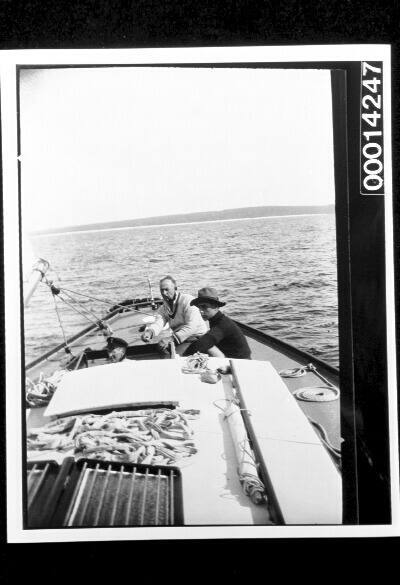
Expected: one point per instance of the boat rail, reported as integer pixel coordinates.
(136, 304)
(288, 348)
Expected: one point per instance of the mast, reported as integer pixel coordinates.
(150, 287)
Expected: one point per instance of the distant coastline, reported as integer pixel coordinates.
(198, 217)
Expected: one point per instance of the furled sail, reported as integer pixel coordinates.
(247, 467)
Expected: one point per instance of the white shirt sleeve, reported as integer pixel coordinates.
(161, 320)
(193, 325)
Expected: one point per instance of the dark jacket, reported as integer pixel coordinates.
(226, 335)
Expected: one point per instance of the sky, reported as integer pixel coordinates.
(112, 144)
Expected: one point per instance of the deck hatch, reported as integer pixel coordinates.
(100, 493)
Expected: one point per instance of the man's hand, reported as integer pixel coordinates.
(164, 343)
(147, 335)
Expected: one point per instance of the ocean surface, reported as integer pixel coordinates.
(277, 274)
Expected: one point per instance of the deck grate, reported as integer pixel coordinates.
(101, 493)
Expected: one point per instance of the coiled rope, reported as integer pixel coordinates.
(317, 394)
(325, 393)
(293, 373)
(253, 487)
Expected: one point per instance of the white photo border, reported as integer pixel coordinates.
(9, 63)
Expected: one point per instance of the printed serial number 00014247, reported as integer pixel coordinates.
(371, 130)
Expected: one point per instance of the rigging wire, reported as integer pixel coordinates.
(80, 312)
(80, 304)
(106, 301)
(67, 348)
(96, 321)
(56, 292)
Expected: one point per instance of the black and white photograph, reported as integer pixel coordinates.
(199, 293)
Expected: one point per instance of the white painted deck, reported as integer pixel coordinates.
(306, 482)
(211, 489)
(303, 476)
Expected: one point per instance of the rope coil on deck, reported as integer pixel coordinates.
(253, 488)
(317, 394)
(293, 373)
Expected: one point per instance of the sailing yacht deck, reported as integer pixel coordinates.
(303, 482)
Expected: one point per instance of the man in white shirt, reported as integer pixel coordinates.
(185, 321)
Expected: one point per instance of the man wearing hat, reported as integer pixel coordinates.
(224, 338)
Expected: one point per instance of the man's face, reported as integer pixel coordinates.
(167, 290)
(207, 310)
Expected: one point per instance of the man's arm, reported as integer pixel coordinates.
(156, 327)
(204, 343)
(215, 352)
(193, 324)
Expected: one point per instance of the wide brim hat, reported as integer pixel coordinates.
(207, 294)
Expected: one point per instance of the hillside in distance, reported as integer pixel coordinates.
(224, 214)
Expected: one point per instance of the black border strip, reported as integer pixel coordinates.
(346, 355)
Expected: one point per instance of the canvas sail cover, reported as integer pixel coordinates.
(247, 467)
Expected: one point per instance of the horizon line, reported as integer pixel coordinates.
(134, 227)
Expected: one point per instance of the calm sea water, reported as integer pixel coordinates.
(276, 274)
